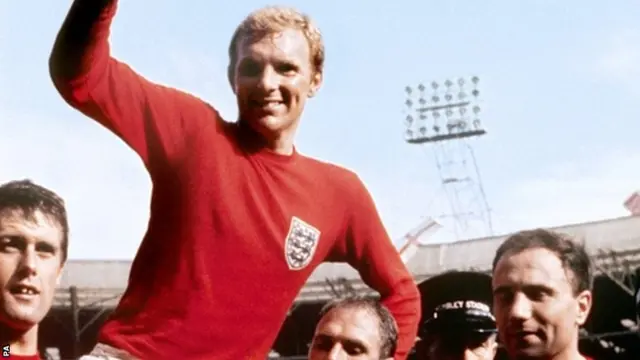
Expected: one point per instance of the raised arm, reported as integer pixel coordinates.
(369, 250)
(154, 120)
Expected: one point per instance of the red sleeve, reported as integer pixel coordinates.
(155, 121)
(368, 248)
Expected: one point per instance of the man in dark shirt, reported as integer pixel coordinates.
(457, 320)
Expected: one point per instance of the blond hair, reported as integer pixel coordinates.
(274, 19)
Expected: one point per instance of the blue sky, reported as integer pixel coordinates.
(559, 83)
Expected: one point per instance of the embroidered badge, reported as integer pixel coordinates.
(300, 244)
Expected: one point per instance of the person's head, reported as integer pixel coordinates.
(459, 346)
(354, 328)
(542, 285)
(33, 248)
(457, 323)
(276, 60)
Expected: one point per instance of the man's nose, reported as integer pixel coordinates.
(28, 261)
(336, 353)
(520, 308)
(269, 79)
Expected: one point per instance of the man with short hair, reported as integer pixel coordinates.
(33, 249)
(239, 219)
(542, 288)
(457, 320)
(354, 328)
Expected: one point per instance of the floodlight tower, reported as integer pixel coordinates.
(445, 116)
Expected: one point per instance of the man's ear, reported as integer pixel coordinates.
(584, 302)
(316, 83)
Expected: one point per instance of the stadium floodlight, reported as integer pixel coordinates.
(408, 120)
(452, 105)
(629, 324)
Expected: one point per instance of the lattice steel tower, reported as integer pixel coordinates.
(445, 117)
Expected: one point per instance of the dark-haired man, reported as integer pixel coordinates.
(542, 285)
(457, 321)
(33, 249)
(354, 328)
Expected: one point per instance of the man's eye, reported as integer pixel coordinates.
(46, 249)
(287, 68)
(249, 69)
(322, 345)
(8, 243)
(353, 349)
(505, 297)
(537, 295)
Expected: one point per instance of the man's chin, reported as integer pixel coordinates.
(20, 319)
(267, 126)
(530, 352)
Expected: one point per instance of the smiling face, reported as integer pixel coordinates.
(537, 310)
(30, 265)
(272, 78)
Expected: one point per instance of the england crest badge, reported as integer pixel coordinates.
(300, 244)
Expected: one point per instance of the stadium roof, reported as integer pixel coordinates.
(619, 234)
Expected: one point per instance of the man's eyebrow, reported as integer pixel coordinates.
(17, 236)
(344, 339)
(47, 245)
(535, 286)
(502, 289)
(356, 343)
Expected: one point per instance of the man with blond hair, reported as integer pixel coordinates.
(239, 219)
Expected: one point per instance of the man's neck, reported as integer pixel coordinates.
(281, 144)
(570, 354)
(21, 342)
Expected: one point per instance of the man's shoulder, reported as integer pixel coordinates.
(333, 172)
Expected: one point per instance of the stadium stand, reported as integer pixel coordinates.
(89, 290)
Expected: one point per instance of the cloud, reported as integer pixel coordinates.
(587, 190)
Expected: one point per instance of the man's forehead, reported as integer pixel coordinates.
(283, 44)
(35, 223)
(530, 267)
(350, 323)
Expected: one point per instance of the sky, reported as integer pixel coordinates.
(559, 97)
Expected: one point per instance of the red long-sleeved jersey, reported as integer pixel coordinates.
(234, 233)
(24, 357)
